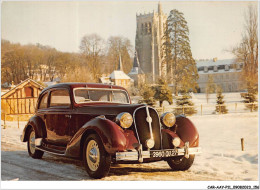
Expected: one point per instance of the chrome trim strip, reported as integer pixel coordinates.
(135, 123)
(131, 156)
(160, 126)
(49, 151)
(140, 153)
(149, 120)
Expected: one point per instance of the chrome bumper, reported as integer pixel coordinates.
(136, 155)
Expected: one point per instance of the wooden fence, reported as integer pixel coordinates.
(15, 109)
(18, 106)
(205, 109)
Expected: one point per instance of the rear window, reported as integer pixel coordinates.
(44, 101)
(84, 95)
(60, 98)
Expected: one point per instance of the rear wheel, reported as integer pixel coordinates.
(95, 158)
(181, 163)
(33, 152)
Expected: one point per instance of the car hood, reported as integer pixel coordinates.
(108, 110)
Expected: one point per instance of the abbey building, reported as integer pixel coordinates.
(148, 42)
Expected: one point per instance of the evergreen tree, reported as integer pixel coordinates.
(162, 92)
(177, 53)
(220, 107)
(147, 94)
(249, 98)
(182, 101)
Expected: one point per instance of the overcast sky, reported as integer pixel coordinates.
(214, 26)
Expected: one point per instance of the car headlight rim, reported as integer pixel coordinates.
(150, 143)
(124, 119)
(176, 141)
(168, 119)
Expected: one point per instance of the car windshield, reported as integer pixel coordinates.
(85, 95)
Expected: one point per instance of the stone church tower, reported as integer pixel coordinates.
(148, 41)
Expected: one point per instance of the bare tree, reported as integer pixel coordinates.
(92, 48)
(119, 45)
(247, 50)
(210, 88)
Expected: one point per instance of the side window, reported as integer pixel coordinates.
(119, 97)
(44, 101)
(60, 98)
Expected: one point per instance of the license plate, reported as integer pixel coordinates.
(163, 153)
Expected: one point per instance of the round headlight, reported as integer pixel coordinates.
(176, 141)
(168, 119)
(149, 143)
(125, 120)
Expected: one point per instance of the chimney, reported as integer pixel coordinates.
(215, 59)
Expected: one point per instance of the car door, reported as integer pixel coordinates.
(57, 119)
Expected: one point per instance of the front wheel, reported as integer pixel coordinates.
(181, 163)
(33, 152)
(95, 158)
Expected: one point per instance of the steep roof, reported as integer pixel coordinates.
(118, 75)
(136, 67)
(21, 85)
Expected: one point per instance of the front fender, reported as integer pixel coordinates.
(111, 134)
(167, 136)
(187, 131)
(38, 125)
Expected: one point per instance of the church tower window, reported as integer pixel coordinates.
(149, 28)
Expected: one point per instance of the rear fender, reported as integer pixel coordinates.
(38, 125)
(110, 133)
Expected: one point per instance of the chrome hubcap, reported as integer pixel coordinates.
(32, 142)
(93, 155)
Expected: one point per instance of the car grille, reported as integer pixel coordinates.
(142, 127)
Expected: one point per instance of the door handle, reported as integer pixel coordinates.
(68, 116)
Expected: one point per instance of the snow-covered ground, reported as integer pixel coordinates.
(221, 160)
(233, 101)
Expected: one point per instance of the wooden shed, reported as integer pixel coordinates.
(20, 101)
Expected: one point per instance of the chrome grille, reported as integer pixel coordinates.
(142, 128)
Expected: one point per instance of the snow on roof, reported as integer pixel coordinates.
(136, 71)
(136, 67)
(212, 63)
(105, 80)
(219, 71)
(118, 75)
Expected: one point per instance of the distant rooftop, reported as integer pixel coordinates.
(118, 75)
(217, 62)
(218, 66)
(136, 67)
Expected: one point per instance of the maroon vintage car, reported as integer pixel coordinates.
(98, 124)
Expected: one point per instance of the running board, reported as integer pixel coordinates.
(49, 151)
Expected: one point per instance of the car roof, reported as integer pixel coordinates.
(77, 85)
